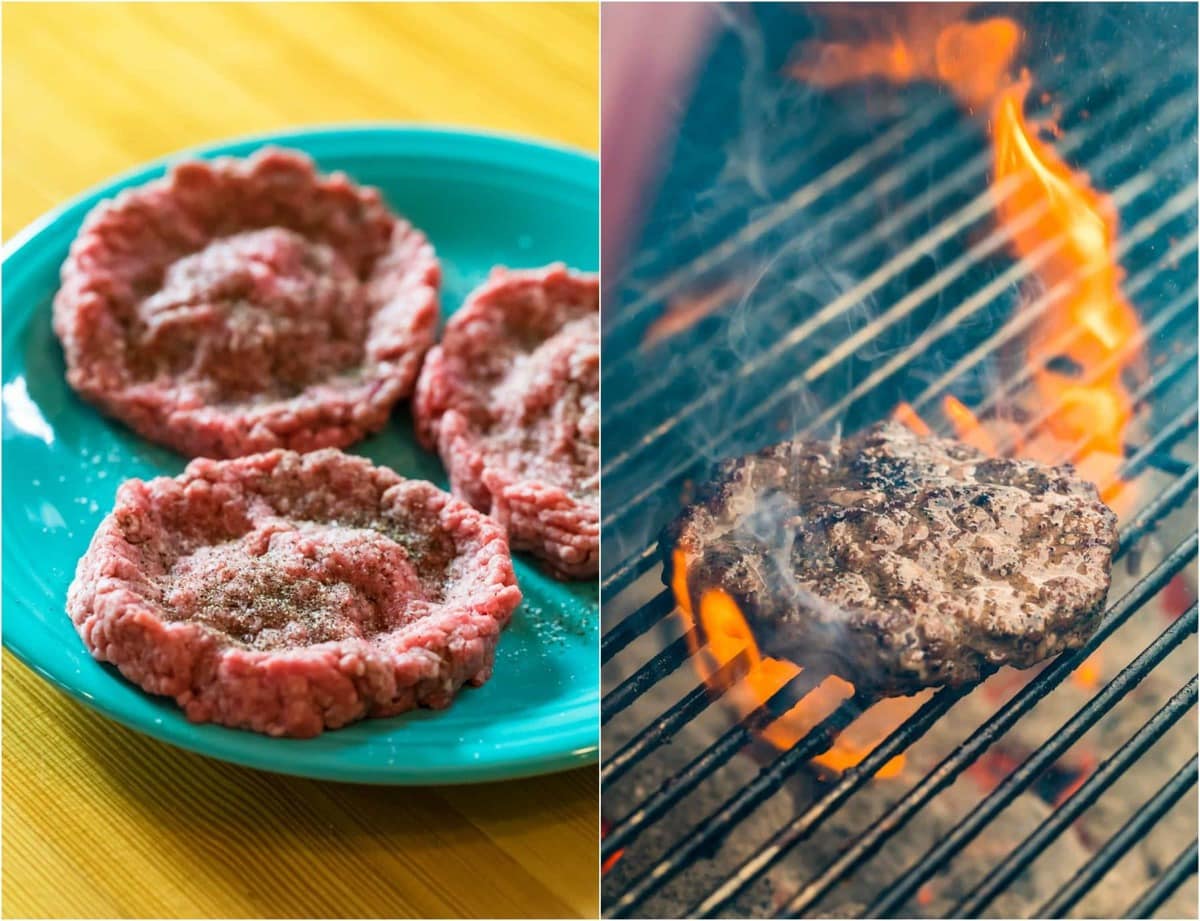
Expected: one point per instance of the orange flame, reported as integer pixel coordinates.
(1080, 346)
(1094, 322)
(727, 635)
(907, 416)
(905, 44)
(968, 427)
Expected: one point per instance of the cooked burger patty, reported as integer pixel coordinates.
(900, 562)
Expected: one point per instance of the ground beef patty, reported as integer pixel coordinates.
(510, 400)
(900, 562)
(288, 593)
(236, 306)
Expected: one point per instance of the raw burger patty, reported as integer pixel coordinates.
(288, 593)
(236, 306)
(510, 400)
(899, 562)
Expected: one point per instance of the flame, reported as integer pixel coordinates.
(967, 426)
(727, 635)
(1081, 346)
(974, 59)
(907, 416)
(913, 43)
(1091, 327)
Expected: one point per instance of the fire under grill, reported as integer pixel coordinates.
(845, 259)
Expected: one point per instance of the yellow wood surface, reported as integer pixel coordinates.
(97, 820)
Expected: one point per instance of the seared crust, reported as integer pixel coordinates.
(236, 306)
(510, 401)
(290, 593)
(898, 562)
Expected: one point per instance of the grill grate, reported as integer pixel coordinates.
(1070, 810)
(814, 370)
(1121, 842)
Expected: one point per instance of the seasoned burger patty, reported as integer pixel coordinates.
(900, 562)
(510, 399)
(289, 593)
(236, 306)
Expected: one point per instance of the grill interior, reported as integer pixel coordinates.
(844, 250)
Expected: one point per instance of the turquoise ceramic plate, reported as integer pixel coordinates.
(483, 200)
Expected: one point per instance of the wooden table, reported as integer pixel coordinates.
(99, 821)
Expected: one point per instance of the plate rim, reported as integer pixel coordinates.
(527, 762)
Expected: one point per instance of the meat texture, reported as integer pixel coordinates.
(900, 562)
(236, 306)
(510, 399)
(288, 593)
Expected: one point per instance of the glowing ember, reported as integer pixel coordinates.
(685, 310)
(726, 635)
(925, 895)
(1056, 785)
(1177, 597)
(1081, 771)
(1087, 675)
(611, 860)
(991, 768)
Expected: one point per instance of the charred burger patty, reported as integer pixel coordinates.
(900, 562)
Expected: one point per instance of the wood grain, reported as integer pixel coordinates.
(93, 89)
(100, 821)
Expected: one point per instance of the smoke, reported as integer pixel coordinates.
(813, 213)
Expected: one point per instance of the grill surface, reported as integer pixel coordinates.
(849, 242)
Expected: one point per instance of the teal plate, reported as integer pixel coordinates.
(484, 200)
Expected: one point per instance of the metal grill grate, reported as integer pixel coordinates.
(942, 330)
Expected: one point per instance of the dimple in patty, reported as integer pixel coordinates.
(261, 312)
(237, 306)
(545, 423)
(285, 585)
